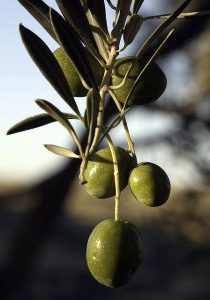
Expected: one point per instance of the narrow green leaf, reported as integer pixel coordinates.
(36, 121)
(48, 65)
(61, 151)
(93, 100)
(163, 26)
(132, 27)
(136, 6)
(156, 33)
(40, 11)
(75, 15)
(146, 66)
(73, 48)
(55, 113)
(101, 37)
(98, 11)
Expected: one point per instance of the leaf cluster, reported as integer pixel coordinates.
(82, 24)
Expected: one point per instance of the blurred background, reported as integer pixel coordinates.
(46, 216)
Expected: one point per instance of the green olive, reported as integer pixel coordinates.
(71, 74)
(150, 87)
(149, 184)
(114, 252)
(99, 174)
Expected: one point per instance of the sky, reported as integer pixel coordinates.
(23, 157)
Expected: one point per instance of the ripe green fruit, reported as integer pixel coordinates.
(151, 86)
(99, 174)
(114, 252)
(71, 74)
(149, 184)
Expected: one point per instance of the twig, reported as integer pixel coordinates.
(186, 15)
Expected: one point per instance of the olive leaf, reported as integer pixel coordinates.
(36, 121)
(156, 33)
(101, 36)
(98, 11)
(61, 151)
(145, 67)
(164, 25)
(48, 65)
(93, 100)
(75, 15)
(73, 48)
(132, 28)
(40, 11)
(136, 6)
(55, 113)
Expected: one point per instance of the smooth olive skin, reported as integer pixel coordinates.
(151, 86)
(73, 79)
(99, 174)
(149, 184)
(114, 252)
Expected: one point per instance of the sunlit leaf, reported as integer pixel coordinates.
(132, 28)
(40, 11)
(48, 65)
(36, 121)
(98, 11)
(73, 48)
(55, 113)
(61, 151)
(60, 117)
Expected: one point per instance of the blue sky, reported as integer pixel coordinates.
(22, 155)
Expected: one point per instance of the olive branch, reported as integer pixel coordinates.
(79, 26)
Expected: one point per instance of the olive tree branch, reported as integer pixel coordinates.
(116, 37)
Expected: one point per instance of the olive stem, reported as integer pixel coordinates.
(186, 15)
(116, 176)
(82, 170)
(116, 37)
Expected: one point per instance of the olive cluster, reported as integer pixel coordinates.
(88, 64)
(114, 248)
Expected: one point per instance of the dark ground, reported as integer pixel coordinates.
(173, 268)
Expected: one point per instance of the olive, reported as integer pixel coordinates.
(150, 87)
(71, 74)
(114, 252)
(149, 184)
(99, 173)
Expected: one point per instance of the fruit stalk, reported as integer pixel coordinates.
(116, 176)
(131, 148)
